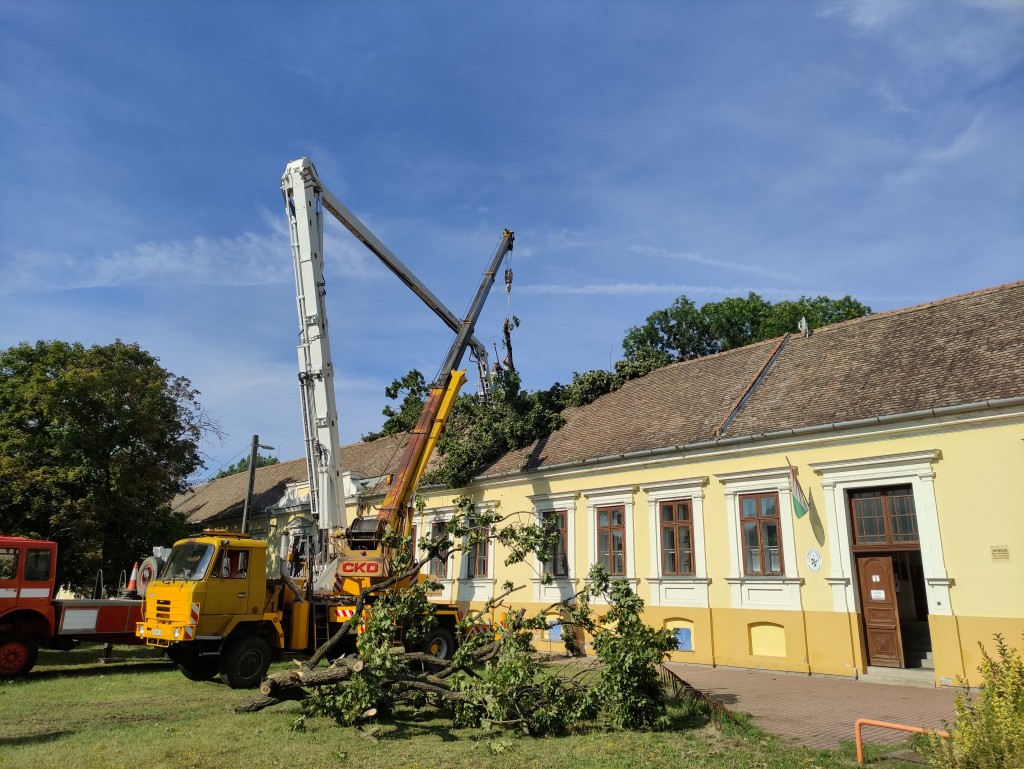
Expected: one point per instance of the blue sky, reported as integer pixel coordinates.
(639, 150)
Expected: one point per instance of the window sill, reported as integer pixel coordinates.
(555, 581)
(780, 580)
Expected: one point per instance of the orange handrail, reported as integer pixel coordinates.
(887, 725)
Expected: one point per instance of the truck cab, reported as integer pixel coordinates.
(214, 611)
(26, 608)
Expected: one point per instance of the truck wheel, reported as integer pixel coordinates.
(200, 669)
(440, 643)
(18, 654)
(245, 663)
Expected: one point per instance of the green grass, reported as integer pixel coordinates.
(73, 712)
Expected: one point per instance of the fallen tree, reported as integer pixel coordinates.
(495, 677)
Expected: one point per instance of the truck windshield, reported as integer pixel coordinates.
(188, 561)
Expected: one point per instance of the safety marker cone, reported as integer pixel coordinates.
(132, 586)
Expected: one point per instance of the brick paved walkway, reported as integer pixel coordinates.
(820, 712)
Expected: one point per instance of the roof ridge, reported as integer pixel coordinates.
(919, 307)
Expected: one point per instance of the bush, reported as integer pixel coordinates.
(989, 730)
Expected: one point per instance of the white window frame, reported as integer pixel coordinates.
(479, 588)
(913, 468)
(425, 522)
(606, 497)
(560, 588)
(762, 592)
(675, 590)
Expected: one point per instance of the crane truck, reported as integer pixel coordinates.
(31, 618)
(213, 608)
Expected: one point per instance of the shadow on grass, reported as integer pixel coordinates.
(33, 739)
(100, 669)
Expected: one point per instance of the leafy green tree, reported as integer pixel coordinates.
(683, 332)
(94, 443)
(242, 465)
(678, 332)
(478, 433)
(408, 413)
(630, 690)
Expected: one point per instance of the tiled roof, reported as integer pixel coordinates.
(966, 349)
(671, 406)
(956, 351)
(225, 497)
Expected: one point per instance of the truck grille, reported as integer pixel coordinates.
(163, 610)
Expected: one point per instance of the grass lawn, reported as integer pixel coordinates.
(143, 714)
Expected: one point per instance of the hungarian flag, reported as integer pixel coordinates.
(800, 503)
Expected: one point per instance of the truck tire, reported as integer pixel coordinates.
(200, 668)
(149, 570)
(18, 653)
(439, 643)
(245, 662)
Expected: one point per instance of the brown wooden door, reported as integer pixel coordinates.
(880, 610)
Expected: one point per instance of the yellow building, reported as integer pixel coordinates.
(905, 431)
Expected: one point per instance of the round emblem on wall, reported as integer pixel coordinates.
(814, 559)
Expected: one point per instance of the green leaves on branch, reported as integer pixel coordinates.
(94, 444)
(403, 419)
(496, 680)
(989, 729)
(477, 433)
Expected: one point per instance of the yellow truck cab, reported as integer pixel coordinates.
(214, 611)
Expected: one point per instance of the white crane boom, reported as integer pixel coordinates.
(305, 198)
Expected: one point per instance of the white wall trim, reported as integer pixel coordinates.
(673, 590)
(561, 588)
(604, 497)
(424, 521)
(782, 592)
(913, 468)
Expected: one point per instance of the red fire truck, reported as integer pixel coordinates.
(30, 617)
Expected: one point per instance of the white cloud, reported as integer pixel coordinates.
(693, 256)
(644, 289)
(868, 14)
(242, 260)
(893, 103)
(961, 146)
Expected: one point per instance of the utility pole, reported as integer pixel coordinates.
(256, 445)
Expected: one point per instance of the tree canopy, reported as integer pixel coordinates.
(683, 331)
(94, 443)
(242, 465)
(408, 413)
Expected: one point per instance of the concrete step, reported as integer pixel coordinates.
(923, 677)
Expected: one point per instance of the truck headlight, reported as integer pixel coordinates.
(177, 633)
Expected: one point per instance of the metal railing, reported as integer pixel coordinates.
(861, 722)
